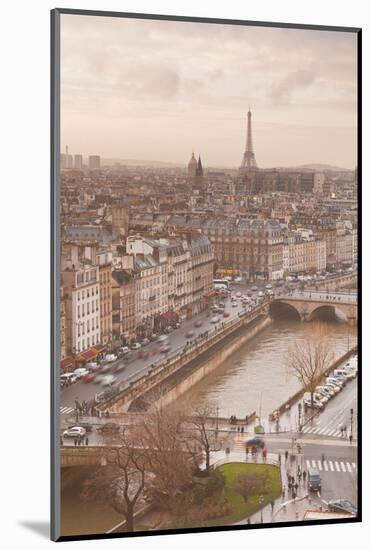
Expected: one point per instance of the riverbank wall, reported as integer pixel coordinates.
(294, 398)
(188, 376)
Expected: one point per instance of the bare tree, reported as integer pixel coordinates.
(250, 484)
(122, 481)
(164, 437)
(309, 360)
(205, 438)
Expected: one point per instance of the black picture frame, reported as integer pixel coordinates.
(55, 487)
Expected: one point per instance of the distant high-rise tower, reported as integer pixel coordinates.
(77, 164)
(94, 162)
(248, 161)
(199, 169)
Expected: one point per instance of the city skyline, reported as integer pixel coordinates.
(116, 94)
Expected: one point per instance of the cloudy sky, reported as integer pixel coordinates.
(155, 90)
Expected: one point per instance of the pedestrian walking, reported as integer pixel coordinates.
(61, 441)
(86, 441)
(304, 475)
(75, 442)
(283, 493)
(296, 487)
(279, 459)
(242, 429)
(286, 455)
(350, 438)
(272, 505)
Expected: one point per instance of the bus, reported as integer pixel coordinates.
(220, 283)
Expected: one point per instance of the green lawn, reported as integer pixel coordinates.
(240, 509)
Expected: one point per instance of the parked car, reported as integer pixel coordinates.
(189, 334)
(98, 379)
(336, 381)
(214, 319)
(198, 323)
(268, 286)
(110, 357)
(315, 404)
(226, 314)
(342, 505)
(325, 390)
(169, 329)
(124, 350)
(333, 387)
(254, 288)
(83, 424)
(234, 304)
(145, 341)
(136, 345)
(74, 431)
(314, 480)
(163, 337)
(153, 337)
(238, 294)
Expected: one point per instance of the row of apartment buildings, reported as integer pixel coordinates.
(110, 297)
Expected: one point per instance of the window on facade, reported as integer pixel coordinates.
(87, 326)
(78, 312)
(87, 308)
(83, 310)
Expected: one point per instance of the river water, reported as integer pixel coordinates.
(257, 373)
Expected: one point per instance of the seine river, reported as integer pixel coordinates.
(255, 373)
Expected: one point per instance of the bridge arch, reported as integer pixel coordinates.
(329, 312)
(282, 310)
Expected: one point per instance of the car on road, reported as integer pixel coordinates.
(165, 347)
(98, 379)
(198, 323)
(68, 377)
(145, 341)
(268, 286)
(108, 380)
(163, 338)
(110, 357)
(314, 479)
(214, 319)
(255, 442)
(169, 329)
(226, 314)
(342, 505)
(124, 350)
(83, 424)
(80, 372)
(189, 334)
(254, 288)
(89, 377)
(238, 294)
(109, 428)
(153, 337)
(75, 431)
(136, 345)
(93, 366)
(234, 304)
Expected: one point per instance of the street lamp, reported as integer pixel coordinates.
(351, 421)
(299, 419)
(217, 419)
(261, 500)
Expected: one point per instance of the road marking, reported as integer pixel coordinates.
(308, 463)
(337, 466)
(313, 463)
(64, 410)
(319, 466)
(354, 465)
(331, 466)
(316, 430)
(349, 467)
(343, 466)
(325, 466)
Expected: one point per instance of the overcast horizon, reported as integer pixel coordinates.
(156, 90)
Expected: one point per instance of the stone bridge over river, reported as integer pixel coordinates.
(316, 305)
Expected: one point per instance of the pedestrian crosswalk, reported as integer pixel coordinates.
(332, 466)
(330, 432)
(66, 410)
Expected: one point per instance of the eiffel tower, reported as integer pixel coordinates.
(248, 161)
